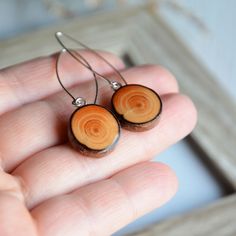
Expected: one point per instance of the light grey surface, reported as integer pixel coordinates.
(217, 48)
(18, 16)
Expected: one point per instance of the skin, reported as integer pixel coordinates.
(46, 187)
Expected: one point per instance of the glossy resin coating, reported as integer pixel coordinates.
(137, 107)
(93, 130)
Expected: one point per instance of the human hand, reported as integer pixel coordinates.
(49, 189)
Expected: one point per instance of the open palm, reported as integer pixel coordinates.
(49, 189)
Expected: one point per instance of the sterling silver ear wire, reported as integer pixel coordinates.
(77, 56)
(77, 101)
(137, 107)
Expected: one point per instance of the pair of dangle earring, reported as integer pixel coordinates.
(93, 129)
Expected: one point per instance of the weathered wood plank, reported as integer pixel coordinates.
(104, 32)
(215, 132)
(217, 219)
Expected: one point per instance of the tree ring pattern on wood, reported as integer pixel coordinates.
(137, 107)
(93, 130)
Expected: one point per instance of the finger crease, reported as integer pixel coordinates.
(133, 209)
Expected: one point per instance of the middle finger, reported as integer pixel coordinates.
(42, 124)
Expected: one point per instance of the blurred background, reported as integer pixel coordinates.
(207, 28)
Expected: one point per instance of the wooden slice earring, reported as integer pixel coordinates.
(93, 130)
(138, 108)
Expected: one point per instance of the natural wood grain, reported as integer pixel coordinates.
(93, 130)
(137, 107)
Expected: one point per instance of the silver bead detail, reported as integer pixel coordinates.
(115, 85)
(79, 102)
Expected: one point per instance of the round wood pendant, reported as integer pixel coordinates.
(93, 130)
(137, 107)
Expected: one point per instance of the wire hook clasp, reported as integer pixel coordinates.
(84, 62)
(115, 85)
(77, 101)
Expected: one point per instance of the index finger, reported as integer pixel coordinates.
(34, 80)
